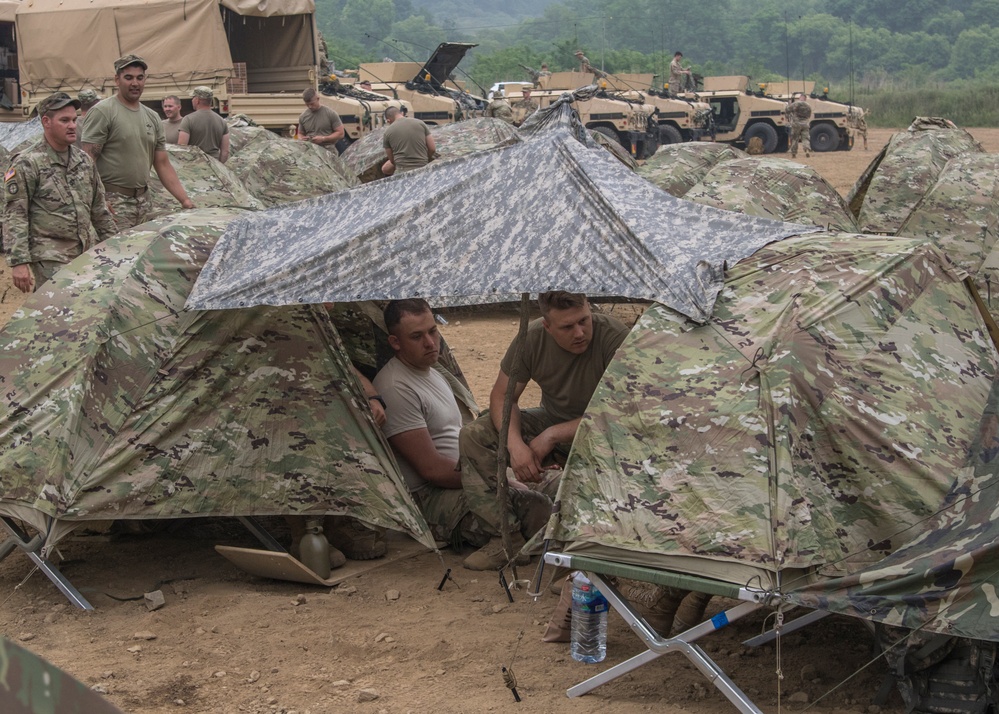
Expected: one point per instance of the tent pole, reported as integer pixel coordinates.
(502, 454)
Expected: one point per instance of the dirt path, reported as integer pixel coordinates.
(228, 642)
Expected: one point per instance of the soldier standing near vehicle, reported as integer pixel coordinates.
(407, 142)
(523, 107)
(55, 207)
(798, 115)
(499, 108)
(679, 76)
(125, 140)
(318, 123)
(584, 61)
(88, 98)
(204, 128)
(858, 124)
(171, 125)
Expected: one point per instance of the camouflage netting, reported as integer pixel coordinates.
(277, 170)
(13, 134)
(960, 214)
(905, 169)
(823, 410)
(118, 403)
(364, 158)
(774, 188)
(549, 211)
(676, 168)
(207, 181)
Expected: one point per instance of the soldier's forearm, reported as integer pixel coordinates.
(93, 150)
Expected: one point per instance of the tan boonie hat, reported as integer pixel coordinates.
(56, 101)
(127, 61)
(202, 92)
(88, 96)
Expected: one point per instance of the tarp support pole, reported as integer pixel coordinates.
(261, 533)
(795, 624)
(502, 454)
(32, 548)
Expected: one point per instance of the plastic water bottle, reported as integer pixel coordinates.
(589, 621)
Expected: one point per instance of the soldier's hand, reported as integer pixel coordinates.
(187, 204)
(23, 279)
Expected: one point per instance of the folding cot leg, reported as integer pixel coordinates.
(681, 643)
(19, 539)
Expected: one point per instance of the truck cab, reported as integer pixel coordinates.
(740, 116)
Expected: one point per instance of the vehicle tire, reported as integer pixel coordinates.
(823, 137)
(669, 134)
(609, 133)
(766, 133)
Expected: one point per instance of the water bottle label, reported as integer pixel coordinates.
(590, 606)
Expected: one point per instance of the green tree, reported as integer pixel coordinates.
(367, 22)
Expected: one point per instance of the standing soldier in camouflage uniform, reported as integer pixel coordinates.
(125, 139)
(54, 201)
(88, 98)
(798, 115)
(857, 123)
(499, 108)
(524, 107)
(680, 78)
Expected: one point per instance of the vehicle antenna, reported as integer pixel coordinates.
(851, 63)
(345, 60)
(787, 53)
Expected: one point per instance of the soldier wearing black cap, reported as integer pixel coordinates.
(55, 205)
(126, 140)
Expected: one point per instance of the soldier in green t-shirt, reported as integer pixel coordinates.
(204, 128)
(125, 139)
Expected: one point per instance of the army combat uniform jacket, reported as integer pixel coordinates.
(54, 208)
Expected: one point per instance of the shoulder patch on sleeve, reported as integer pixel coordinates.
(12, 187)
(10, 174)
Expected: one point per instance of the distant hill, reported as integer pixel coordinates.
(482, 14)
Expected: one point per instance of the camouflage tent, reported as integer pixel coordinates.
(364, 158)
(118, 403)
(277, 170)
(582, 222)
(960, 214)
(773, 188)
(904, 170)
(207, 181)
(813, 426)
(676, 168)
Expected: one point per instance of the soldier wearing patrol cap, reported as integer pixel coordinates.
(204, 128)
(54, 201)
(87, 98)
(125, 139)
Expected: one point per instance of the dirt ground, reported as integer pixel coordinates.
(388, 640)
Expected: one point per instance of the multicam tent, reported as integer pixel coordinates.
(550, 211)
(960, 214)
(207, 181)
(814, 425)
(904, 170)
(676, 168)
(277, 170)
(118, 403)
(773, 188)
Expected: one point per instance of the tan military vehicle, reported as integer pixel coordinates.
(436, 97)
(829, 127)
(621, 115)
(683, 118)
(257, 57)
(740, 116)
(10, 100)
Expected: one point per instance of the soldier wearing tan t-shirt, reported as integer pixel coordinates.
(171, 125)
(204, 128)
(318, 123)
(407, 142)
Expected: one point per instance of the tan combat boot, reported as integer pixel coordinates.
(492, 556)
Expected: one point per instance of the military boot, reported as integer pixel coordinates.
(690, 612)
(355, 539)
(657, 604)
(492, 556)
(532, 509)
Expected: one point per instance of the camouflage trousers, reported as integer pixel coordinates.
(43, 270)
(799, 134)
(478, 444)
(446, 512)
(129, 211)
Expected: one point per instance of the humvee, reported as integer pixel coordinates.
(740, 116)
(828, 129)
(679, 118)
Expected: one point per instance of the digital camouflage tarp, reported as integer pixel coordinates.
(676, 168)
(960, 214)
(806, 431)
(118, 403)
(773, 188)
(14, 133)
(904, 170)
(207, 181)
(547, 212)
(276, 170)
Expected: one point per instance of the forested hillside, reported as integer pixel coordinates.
(867, 44)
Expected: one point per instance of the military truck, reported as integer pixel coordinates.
(621, 115)
(680, 118)
(257, 57)
(436, 97)
(739, 116)
(829, 127)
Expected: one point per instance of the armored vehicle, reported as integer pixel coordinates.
(624, 116)
(829, 127)
(739, 116)
(436, 98)
(682, 118)
(256, 57)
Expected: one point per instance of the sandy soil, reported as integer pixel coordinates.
(229, 642)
